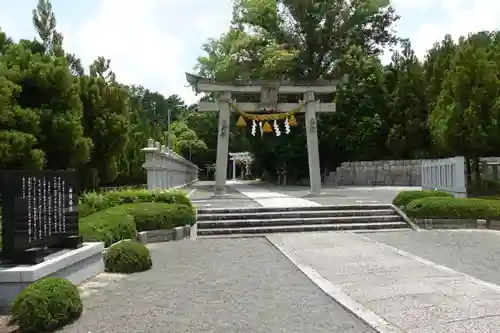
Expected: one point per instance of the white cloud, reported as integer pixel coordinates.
(142, 49)
(419, 4)
(461, 19)
(123, 32)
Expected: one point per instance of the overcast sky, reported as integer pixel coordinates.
(153, 42)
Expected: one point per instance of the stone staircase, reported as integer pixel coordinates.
(245, 222)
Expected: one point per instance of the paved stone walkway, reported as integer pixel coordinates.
(201, 195)
(474, 252)
(269, 198)
(218, 285)
(392, 289)
(339, 195)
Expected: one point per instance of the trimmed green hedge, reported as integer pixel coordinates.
(46, 305)
(461, 208)
(155, 216)
(127, 257)
(124, 221)
(94, 202)
(108, 226)
(405, 197)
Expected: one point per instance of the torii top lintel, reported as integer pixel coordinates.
(285, 87)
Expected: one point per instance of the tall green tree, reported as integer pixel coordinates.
(408, 136)
(106, 118)
(303, 40)
(465, 120)
(18, 126)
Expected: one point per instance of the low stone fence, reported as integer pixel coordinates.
(166, 169)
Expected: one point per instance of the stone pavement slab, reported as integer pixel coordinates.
(213, 286)
(392, 289)
(268, 198)
(340, 195)
(474, 252)
(202, 197)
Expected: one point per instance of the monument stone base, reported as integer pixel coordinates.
(75, 265)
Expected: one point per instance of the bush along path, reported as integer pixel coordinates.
(127, 256)
(116, 215)
(443, 210)
(46, 305)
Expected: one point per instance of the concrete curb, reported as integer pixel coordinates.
(454, 223)
(413, 225)
(164, 235)
(371, 318)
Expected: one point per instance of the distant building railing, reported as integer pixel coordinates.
(446, 174)
(166, 169)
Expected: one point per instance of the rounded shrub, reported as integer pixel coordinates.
(127, 256)
(405, 197)
(109, 226)
(46, 305)
(458, 208)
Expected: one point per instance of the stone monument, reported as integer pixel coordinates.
(40, 235)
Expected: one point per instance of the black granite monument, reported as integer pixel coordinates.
(39, 213)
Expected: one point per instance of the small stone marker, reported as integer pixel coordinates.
(482, 224)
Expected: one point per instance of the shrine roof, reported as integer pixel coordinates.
(285, 86)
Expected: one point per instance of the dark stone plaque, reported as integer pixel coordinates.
(39, 211)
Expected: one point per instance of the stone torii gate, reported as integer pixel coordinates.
(269, 91)
(244, 157)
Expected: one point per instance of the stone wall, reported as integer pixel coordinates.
(394, 172)
(382, 173)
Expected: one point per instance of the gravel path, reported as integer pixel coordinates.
(473, 252)
(219, 285)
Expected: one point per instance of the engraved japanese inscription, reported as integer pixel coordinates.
(38, 208)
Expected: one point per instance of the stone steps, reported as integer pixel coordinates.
(263, 234)
(245, 210)
(258, 221)
(297, 214)
(253, 222)
(303, 227)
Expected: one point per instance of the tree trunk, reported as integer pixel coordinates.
(468, 170)
(477, 170)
